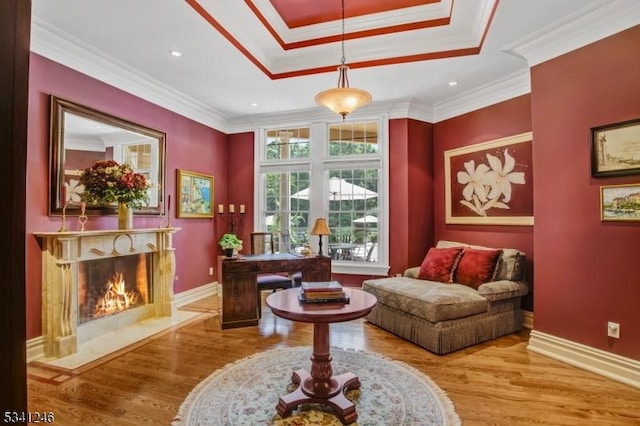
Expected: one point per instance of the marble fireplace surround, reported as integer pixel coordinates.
(62, 253)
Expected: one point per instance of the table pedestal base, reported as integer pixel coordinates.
(330, 392)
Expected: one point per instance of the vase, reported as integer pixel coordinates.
(228, 252)
(125, 216)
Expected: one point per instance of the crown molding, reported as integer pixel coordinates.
(603, 19)
(514, 85)
(402, 108)
(77, 55)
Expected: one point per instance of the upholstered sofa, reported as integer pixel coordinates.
(443, 315)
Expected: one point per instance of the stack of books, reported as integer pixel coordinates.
(322, 292)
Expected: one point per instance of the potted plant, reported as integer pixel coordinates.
(230, 243)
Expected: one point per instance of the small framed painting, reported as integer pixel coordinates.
(490, 183)
(615, 149)
(195, 192)
(620, 203)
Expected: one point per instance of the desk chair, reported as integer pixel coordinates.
(262, 243)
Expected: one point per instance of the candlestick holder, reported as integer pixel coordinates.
(82, 219)
(160, 220)
(63, 227)
(232, 220)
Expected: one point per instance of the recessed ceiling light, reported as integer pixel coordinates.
(175, 53)
(253, 104)
(453, 83)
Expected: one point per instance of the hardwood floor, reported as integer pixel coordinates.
(495, 383)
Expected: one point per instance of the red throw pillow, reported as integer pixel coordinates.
(439, 264)
(476, 266)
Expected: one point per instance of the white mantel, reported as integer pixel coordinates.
(61, 253)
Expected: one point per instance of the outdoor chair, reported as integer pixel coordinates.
(289, 248)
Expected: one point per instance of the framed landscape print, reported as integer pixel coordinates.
(195, 193)
(615, 149)
(620, 203)
(490, 183)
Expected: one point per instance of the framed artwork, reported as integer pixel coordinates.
(490, 183)
(615, 149)
(195, 192)
(620, 202)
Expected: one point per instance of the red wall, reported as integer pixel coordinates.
(410, 192)
(585, 269)
(190, 145)
(241, 166)
(497, 121)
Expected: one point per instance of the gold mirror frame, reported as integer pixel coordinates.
(72, 126)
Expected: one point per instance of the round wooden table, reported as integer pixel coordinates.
(320, 386)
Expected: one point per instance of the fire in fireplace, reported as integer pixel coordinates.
(112, 285)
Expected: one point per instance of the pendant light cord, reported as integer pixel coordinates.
(343, 58)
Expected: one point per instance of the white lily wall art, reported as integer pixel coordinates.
(489, 186)
(482, 180)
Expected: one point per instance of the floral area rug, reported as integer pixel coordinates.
(246, 393)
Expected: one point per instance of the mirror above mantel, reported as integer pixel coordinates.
(80, 136)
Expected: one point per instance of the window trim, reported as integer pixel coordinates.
(318, 165)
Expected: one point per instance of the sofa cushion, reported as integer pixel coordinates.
(502, 289)
(476, 266)
(510, 265)
(428, 300)
(439, 264)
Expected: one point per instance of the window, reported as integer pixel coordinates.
(336, 171)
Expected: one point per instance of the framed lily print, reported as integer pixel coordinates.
(490, 183)
(615, 149)
(195, 192)
(620, 203)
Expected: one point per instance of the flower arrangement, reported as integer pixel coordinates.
(108, 182)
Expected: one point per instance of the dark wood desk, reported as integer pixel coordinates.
(239, 288)
(319, 385)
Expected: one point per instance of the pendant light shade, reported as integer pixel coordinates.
(343, 100)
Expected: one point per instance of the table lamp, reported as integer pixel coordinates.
(320, 228)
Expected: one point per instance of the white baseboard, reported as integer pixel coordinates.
(35, 349)
(616, 367)
(195, 294)
(527, 319)
(35, 346)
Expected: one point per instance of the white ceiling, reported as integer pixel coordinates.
(126, 43)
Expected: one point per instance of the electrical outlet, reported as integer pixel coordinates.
(613, 330)
(211, 270)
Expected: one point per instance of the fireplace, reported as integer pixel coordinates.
(110, 286)
(95, 282)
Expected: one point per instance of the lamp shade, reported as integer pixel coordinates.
(343, 99)
(320, 227)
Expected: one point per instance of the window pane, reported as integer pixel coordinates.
(287, 208)
(137, 156)
(353, 138)
(353, 214)
(287, 143)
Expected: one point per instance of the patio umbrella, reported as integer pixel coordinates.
(366, 220)
(340, 190)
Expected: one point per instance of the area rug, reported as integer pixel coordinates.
(246, 392)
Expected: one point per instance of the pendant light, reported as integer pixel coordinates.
(343, 99)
